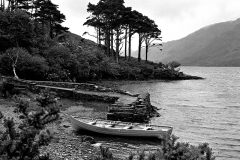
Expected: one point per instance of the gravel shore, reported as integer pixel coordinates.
(68, 144)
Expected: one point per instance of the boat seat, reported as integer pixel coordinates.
(147, 128)
(128, 127)
(92, 123)
(110, 125)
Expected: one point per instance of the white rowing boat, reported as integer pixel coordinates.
(120, 128)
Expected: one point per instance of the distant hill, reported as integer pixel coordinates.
(214, 45)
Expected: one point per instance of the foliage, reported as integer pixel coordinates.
(114, 22)
(21, 142)
(152, 156)
(26, 22)
(105, 154)
(173, 65)
(130, 157)
(7, 90)
(48, 14)
(58, 63)
(61, 63)
(141, 155)
(27, 66)
(29, 50)
(16, 30)
(173, 150)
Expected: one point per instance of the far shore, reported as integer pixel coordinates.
(116, 84)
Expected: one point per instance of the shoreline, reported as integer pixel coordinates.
(116, 84)
(69, 144)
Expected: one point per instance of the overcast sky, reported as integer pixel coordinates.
(175, 18)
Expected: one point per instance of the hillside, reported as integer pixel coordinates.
(213, 45)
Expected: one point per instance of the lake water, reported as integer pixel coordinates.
(200, 110)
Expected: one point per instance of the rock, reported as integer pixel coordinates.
(88, 139)
(97, 145)
(66, 125)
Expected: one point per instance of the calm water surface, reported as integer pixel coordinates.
(200, 110)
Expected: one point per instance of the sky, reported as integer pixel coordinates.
(175, 18)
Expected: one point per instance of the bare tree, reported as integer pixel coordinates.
(14, 54)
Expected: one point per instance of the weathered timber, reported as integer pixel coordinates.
(134, 109)
(66, 90)
(139, 111)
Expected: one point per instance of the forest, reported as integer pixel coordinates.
(35, 45)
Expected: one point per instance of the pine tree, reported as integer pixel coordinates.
(23, 142)
(49, 16)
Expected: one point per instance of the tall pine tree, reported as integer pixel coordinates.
(49, 16)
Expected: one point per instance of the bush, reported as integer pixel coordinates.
(32, 67)
(105, 154)
(16, 29)
(22, 142)
(8, 89)
(63, 66)
(27, 66)
(173, 150)
(173, 65)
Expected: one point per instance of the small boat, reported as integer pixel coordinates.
(120, 128)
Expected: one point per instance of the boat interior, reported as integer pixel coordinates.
(121, 125)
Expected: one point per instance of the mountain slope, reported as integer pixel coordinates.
(214, 45)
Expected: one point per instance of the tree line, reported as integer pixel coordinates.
(34, 44)
(115, 25)
(43, 13)
(25, 24)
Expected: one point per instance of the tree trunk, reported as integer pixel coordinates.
(16, 5)
(9, 5)
(112, 49)
(99, 36)
(32, 8)
(117, 47)
(51, 30)
(129, 44)
(108, 42)
(14, 71)
(27, 6)
(146, 53)
(139, 47)
(105, 38)
(146, 50)
(2, 5)
(126, 32)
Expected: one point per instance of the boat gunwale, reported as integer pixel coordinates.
(117, 122)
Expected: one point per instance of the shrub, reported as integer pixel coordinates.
(130, 157)
(173, 150)
(33, 67)
(152, 156)
(173, 65)
(16, 29)
(27, 66)
(7, 90)
(141, 155)
(105, 154)
(22, 142)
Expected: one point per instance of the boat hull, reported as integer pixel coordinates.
(77, 124)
